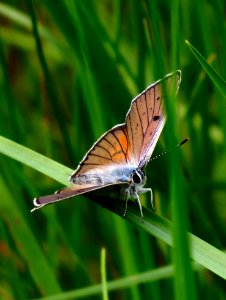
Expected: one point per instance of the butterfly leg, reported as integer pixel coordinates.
(145, 190)
(140, 206)
(132, 192)
(127, 199)
(151, 200)
(152, 203)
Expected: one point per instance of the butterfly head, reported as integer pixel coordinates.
(138, 177)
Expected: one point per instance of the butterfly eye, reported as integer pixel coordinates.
(136, 177)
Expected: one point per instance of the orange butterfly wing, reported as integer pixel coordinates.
(146, 118)
(132, 143)
(111, 149)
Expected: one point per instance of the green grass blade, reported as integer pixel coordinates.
(53, 95)
(23, 20)
(104, 275)
(144, 277)
(36, 161)
(184, 281)
(184, 275)
(202, 252)
(215, 77)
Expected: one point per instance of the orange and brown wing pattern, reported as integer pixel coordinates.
(111, 149)
(132, 143)
(146, 118)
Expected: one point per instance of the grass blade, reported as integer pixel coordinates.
(104, 275)
(202, 252)
(219, 82)
(149, 276)
(36, 161)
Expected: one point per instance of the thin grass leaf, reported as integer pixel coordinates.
(38, 162)
(202, 252)
(104, 275)
(114, 285)
(184, 282)
(53, 96)
(219, 82)
(23, 20)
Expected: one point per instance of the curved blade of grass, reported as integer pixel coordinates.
(202, 252)
(214, 76)
(34, 160)
(126, 282)
(208, 256)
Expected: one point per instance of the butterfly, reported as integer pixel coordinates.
(115, 164)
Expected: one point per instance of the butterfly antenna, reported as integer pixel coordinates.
(166, 151)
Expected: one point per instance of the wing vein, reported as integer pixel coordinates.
(128, 144)
(131, 129)
(104, 138)
(93, 154)
(140, 120)
(118, 142)
(101, 146)
(145, 97)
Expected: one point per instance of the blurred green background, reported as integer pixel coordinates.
(68, 71)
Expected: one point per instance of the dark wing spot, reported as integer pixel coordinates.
(158, 98)
(156, 118)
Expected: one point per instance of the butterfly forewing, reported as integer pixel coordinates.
(146, 118)
(133, 142)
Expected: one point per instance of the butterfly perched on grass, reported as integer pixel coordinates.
(115, 164)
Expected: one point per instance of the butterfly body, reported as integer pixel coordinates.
(115, 164)
(105, 176)
(125, 188)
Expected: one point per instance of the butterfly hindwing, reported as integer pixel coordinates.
(111, 149)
